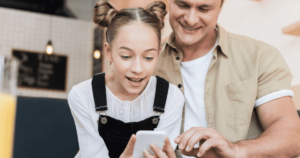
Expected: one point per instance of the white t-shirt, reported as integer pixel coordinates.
(193, 75)
(82, 106)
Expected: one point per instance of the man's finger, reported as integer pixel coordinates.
(185, 138)
(130, 146)
(208, 144)
(198, 136)
(191, 153)
(177, 139)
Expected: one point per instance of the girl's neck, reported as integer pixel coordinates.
(117, 89)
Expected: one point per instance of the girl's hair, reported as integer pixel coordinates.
(106, 15)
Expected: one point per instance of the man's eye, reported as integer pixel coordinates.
(181, 5)
(125, 57)
(148, 58)
(203, 10)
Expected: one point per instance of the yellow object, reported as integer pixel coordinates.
(7, 121)
(49, 49)
(97, 54)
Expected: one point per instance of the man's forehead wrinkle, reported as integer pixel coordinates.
(202, 4)
(205, 5)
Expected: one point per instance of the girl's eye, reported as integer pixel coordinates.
(125, 57)
(148, 58)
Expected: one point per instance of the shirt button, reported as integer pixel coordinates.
(177, 58)
(179, 85)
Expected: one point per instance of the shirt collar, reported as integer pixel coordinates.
(222, 43)
(222, 40)
(171, 40)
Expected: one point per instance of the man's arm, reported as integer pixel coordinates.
(281, 137)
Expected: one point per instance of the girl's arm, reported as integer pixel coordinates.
(90, 142)
(170, 120)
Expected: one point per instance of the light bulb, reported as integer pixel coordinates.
(49, 48)
(97, 54)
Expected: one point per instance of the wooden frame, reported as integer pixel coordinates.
(45, 89)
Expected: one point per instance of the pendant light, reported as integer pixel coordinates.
(97, 54)
(49, 48)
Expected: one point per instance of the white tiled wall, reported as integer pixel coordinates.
(31, 31)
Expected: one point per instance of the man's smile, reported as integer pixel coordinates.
(189, 28)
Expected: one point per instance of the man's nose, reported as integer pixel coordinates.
(191, 18)
(136, 66)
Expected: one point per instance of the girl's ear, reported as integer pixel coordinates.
(108, 52)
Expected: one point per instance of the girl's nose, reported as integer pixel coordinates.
(136, 66)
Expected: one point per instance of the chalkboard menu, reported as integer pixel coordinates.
(40, 70)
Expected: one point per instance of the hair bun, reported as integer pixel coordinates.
(159, 9)
(104, 12)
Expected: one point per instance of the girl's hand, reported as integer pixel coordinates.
(167, 152)
(127, 153)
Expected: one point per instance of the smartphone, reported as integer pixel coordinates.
(144, 139)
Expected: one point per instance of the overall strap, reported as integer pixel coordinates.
(99, 92)
(161, 93)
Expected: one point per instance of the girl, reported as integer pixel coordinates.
(108, 109)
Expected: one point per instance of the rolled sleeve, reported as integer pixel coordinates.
(273, 74)
(273, 96)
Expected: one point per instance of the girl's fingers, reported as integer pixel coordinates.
(158, 151)
(148, 155)
(168, 149)
(130, 146)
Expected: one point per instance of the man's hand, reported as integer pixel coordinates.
(127, 153)
(167, 152)
(212, 144)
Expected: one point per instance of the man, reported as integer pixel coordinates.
(237, 90)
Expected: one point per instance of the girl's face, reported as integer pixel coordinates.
(134, 53)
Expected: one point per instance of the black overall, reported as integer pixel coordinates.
(116, 133)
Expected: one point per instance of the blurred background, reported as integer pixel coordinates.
(58, 46)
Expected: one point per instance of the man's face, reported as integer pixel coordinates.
(193, 20)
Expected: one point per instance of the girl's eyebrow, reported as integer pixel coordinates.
(126, 48)
(151, 49)
(147, 50)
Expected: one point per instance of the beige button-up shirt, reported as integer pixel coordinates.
(241, 71)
